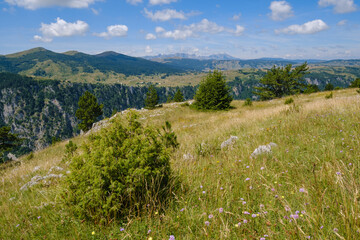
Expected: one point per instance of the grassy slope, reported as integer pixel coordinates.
(316, 140)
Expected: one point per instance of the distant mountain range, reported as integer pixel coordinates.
(113, 67)
(42, 62)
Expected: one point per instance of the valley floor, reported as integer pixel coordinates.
(308, 187)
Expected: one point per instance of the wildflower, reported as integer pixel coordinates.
(243, 202)
(201, 186)
(321, 227)
(247, 166)
(221, 210)
(247, 179)
(211, 216)
(207, 223)
(303, 212)
(273, 189)
(308, 237)
(250, 187)
(203, 192)
(254, 215)
(301, 190)
(287, 209)
(336, 230)
(18, 225)
(150, 238)
(182, 209)
(294, 216)
(282, 197)
(172, 237)
(262, 238)
(245, 221)
(262, 168)
(149, 231)
(38, 217)
(261, 205)
(246, 212)
(297, 212)
(350, 163)
(156, 213)
(93, 233)
(221, 188)
(122, 229)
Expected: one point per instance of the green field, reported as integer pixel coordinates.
(308, 187)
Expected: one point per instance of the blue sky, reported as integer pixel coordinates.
(294, 29)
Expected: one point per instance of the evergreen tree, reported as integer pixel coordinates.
(178, 97)
(279, 82)
(355, 83)
(213, 93)
(8, 140)
(151, 98)
(329, 87)
(89, 110)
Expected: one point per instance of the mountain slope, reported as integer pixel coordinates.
(306, 187)
(42, 62)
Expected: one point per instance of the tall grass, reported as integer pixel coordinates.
(307, 188)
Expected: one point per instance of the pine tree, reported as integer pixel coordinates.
(279, 82)
(89, 110)
(213, 93)
(151, 98)
(178, 97)
(8, 140)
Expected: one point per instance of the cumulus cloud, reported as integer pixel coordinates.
(239, 30)
(165, 15)
(342, 23)
(159, 29)
(61, 28)
(340, 6)
(114, 31)
(148, 49)
(193, 30)
(306, 28)
(134, 2)
(236, 17)
(35, 4)
(280, 10)
(160, 2)
(150, 36)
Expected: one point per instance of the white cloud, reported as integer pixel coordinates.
(159, 29)
(193, 30)
(165, 15)
(61, 28)
(114, 31)
(340, 6)
(236, 17)
(160, 2)
(148, 49)
(150, 36)
(134, 2)
(239, 30)
(96, 12)
(280, 10)
(307, 28)
(35, 4)
(342, 23)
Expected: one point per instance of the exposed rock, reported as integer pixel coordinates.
(12, 157)
(188, 156)
(263, 149)
(37, 179)
(230, 142)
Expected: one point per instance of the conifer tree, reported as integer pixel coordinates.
(8, 140)
(178, 97)
(151, 98)
(89, 110)
(279, 82)
(213, 93)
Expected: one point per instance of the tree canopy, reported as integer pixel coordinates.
(8, 140)
(151, 99)
(213, 93)
(178, 97)
(89, 110)
(282, 81)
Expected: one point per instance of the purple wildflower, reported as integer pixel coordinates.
(211, 216)
(262, 238)
(122, 229)
(338, 173)
(247, 179)
(254, 215)
(294, 216)
(203, 192)
(245, 221)
(336, 230)
(302, 190)
(243, 202)
(262, 168)
(207, 223)
(172, 237)
(221, 210)
(149, 231)
(246, 212)
(38, 217)
(182, 209)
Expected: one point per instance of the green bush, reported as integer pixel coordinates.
(121, 171)
(329, 87)
(329, 96)
(289, 101)
(355, 83)
(213, 93)
(248, 102)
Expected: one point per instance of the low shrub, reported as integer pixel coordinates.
(330, 95)
(248, 102)
(121, 171)
(289, 101)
